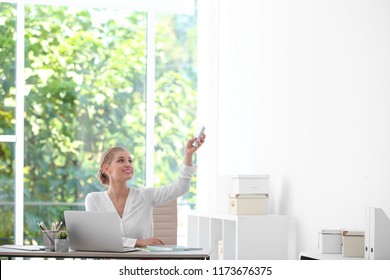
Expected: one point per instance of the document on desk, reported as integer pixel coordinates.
(23, 247)
(169, 248)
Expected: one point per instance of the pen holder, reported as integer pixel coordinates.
(48, 239)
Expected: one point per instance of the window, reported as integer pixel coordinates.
(175, 102)
(87, 88)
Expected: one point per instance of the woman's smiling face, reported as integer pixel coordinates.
(121, 167)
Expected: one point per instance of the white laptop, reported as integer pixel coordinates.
(95, 231)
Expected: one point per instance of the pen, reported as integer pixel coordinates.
(40, 226)
(59, 226)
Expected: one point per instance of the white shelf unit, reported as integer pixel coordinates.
(245, 237)
(377, 235)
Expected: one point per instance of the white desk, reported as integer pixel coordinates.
(203, 254)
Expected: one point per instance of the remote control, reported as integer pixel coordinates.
(198, 135)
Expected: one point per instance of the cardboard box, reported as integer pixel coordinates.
(251, 184)
(248, 204)
(353, 243)
(329, 241)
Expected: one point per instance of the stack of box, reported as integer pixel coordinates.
(249, 195)
(346, 242)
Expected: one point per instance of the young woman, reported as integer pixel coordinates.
(135, 205)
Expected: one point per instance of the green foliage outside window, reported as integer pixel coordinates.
(85, 72)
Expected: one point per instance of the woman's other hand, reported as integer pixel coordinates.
(148, 242)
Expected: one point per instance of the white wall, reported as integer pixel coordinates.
(299, 90)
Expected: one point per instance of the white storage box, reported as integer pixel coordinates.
(353, 243)
(251, 184)
(248, 204)
(329, 241)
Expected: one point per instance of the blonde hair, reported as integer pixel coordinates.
(106, 158)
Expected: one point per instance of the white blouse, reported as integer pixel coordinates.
(137, 219)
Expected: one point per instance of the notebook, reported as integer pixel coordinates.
(95, 231)
(167, 248)
(23, 247)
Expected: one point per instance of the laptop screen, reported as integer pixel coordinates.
(94, 231)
